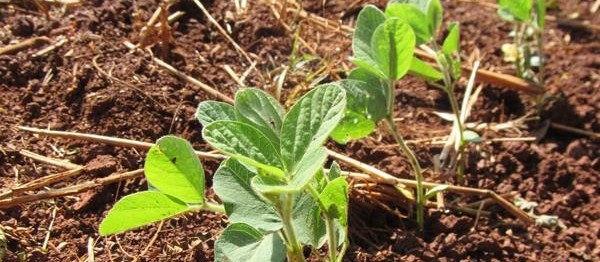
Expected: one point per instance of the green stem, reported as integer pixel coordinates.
(331, 241)
(449, 88)
(540, 47)
(209, 206)
(294, 247)
(518, 42)
(412, 159)
(214, 207)
(460, 170)
(329, 226)
(344, 247)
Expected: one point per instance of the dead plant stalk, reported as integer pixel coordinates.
(373, 174)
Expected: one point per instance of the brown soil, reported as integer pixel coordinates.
(560, 172)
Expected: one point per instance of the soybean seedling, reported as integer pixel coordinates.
(425, 18)
(526, 51)
(383, 50)
(273, 186)
(383, 46)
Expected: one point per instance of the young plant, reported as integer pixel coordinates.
(273, 186)
(526, 52)
(383, 46)
(175, 186)
(383, 50)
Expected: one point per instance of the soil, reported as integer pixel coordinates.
(66, 89)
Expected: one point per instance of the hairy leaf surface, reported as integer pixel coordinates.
(242, 204)
(369, 18)
(393, 46)
(245, 143)
(210, 111)
(262, 111)
(309, 122)
(241, 242)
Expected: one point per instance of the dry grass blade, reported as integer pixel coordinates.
(382, 177)
(41, 182)
(106, 140)
(375, 174)
(24, 45)
(49, 160)
(70, 190)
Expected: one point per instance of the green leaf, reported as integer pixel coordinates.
(334, 171)
(519, 9)
(372, 95)
(173, 168)
(310, 164)
(540, 9)
(309, 225)
(242, 205)
(432, 8)
(309, 122)
(335, 200)
(415, 18)
(260, 110)
(435, 12)
(423, 70)
(210, 111)
(434, 190)
(369, 18)
(353, 126)
(452, 42)
(246, 144)
(471, 137)
(393, 46)
(140, 209)
(241, 242)
(366, 104)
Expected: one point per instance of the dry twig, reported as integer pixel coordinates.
(373, 173)
(24, 45)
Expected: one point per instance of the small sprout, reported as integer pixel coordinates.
(526, 51)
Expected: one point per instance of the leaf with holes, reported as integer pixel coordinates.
(173, 168)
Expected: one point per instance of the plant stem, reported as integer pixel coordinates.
(449, 88)
(214, 207)
(329, 226)
(460, 170)
(294, 247)
(519, 35)
(331, 241)
(415, 166)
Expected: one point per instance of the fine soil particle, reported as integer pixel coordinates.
(95, 84)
